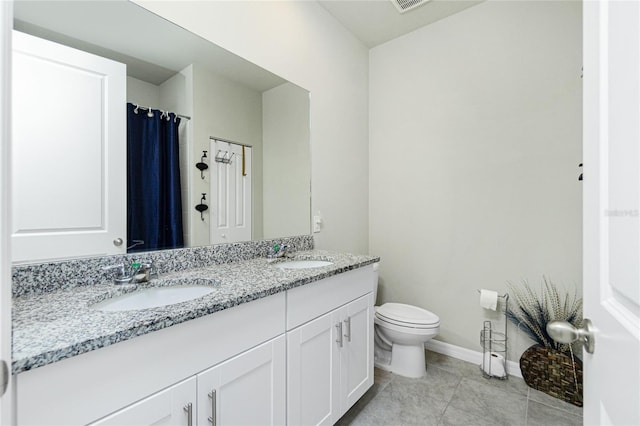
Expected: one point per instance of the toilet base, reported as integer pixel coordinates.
(404, 360)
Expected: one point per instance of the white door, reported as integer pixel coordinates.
(357, 352)
(313, 372)
(611, 211)
(175, 405)
(6, 400)
(249, 389)
(68, 152)
(230, 203)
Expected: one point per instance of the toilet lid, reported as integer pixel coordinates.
(409, 314)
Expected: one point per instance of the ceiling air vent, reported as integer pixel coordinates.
(407, 5)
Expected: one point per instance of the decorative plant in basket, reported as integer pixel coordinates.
(548, 366)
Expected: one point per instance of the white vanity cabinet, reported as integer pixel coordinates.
(356, 354)
(299, 357)
(313, 373)
(329, 357)
(172, 406)
(134, 374)
(248, 389)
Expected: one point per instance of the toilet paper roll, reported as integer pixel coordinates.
(494, 364)
(489, 299)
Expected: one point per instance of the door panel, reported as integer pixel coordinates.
(357, 355)
(6, 19)
(230, 193)
(256, 376)
(68, 152)
(611, 211)
(313, 372)
(166, 407)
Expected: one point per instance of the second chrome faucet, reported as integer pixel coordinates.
(135, 273)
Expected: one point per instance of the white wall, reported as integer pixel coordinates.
(176, 95)
(228, 110)
(475, 125)
(142, 93)
(302, 43)
(286, 167)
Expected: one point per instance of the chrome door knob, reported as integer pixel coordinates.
(563, 332)
(118, 242)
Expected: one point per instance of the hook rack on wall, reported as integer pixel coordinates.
(202, 207)
(223, 156)
(580, 177)
(202, 166)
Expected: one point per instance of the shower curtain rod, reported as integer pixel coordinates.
(186, 117)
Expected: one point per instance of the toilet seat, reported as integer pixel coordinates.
(407, 316)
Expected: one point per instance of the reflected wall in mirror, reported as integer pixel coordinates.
(228, 105)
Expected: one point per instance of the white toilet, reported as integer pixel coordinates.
(400, 332)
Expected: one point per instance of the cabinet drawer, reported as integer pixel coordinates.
(313, 300)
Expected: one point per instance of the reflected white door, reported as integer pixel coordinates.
(612, 211)
(230, 202)
(68, 152)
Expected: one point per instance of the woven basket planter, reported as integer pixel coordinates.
(552, 372)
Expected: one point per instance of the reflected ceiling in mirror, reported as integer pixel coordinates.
(227, 99)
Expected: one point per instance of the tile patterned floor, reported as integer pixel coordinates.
(455, 393)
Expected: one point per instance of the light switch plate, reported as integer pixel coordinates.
(317, 223)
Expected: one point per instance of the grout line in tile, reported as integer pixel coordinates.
(556, 408)
(526, 408)
(450, 399)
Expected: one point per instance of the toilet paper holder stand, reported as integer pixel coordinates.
(494, 346)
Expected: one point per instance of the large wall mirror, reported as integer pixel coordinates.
(244, 150)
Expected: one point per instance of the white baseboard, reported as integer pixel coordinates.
(475, 357)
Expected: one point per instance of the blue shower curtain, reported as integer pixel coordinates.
(154, 205)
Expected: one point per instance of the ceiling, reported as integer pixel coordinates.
(143, 39)
(153, 48)
(377, 21)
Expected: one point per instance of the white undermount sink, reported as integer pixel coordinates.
(153, 297)
(303, 264)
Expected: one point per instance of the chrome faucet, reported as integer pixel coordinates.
(279, 250)
(146, 272)
(136, 273)
(122, 276)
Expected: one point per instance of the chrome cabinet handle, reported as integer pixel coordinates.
(189, 410)
(347, 322)
(339, 339)
(118, 242)
(212, 397)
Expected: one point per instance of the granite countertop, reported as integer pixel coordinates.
(60, 324)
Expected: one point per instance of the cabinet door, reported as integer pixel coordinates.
(356, 355)
(248, 389)
(167, 407)
(313, 372)
(68, 152)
